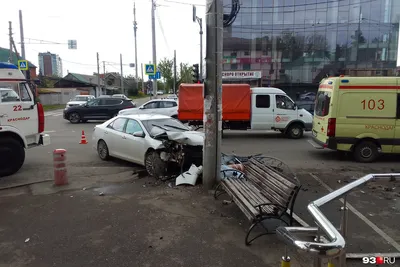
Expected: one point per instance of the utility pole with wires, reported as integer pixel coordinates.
(200, 21)
(153, 34)
(98, 75)
(142, 78)
(10, 34)
(134, 30)
(104, 72)
(21, 30)
(122, 75)
(213, 93)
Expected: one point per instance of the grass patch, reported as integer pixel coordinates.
(53, 107)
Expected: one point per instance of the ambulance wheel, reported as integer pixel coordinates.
(12, 156)
(295, 131)
(366, 151)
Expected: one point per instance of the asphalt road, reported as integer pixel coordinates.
(318, 170)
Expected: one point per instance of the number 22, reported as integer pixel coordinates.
(17, 108)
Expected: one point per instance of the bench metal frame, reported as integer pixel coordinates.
(275, 165)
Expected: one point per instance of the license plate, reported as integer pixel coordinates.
(314, 133)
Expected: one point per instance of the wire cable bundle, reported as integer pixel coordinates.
(230, 18)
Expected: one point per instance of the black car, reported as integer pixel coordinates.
(97, 109)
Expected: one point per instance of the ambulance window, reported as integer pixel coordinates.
(24, 93)
(322, 103)
(262, 101)
(8, 95)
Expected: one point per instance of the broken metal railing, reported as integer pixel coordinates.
(329, 242)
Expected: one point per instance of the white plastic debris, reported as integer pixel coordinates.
(189, 177)
(27, 240)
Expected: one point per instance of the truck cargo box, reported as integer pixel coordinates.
(236, 102)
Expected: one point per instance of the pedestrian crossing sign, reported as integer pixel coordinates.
(150, 69)
(23, 64)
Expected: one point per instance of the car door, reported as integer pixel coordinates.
(94, 109)
(168, 108)
(134, 147)
(262, 112)
(114, 140)
(150, 108)
(112, 106)
(285, 111)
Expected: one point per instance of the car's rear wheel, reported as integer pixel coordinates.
(102, 150)
(295, 131)
(154, 165)
(366, 152)
(74, 117)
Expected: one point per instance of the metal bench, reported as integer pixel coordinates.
(267, 189)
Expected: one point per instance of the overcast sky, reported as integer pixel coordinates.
(106, 27)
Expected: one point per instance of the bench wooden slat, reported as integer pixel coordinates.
(240, 196)
(238, 202)
(272, 192)
(273, 173)
(261, 199)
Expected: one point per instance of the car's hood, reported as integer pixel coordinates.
(75, 102)
(191, 138)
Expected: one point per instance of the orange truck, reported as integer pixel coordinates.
(243, 108)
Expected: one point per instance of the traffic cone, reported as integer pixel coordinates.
(83, 139)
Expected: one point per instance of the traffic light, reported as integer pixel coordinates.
(195, 73)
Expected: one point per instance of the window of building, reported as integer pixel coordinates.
(246, 66)
(234, 66)
(247, 53)
(233, 54)
(263, 101)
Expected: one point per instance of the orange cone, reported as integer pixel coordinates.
(83, 139)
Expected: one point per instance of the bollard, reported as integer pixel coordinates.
(285, 262)
(60, 167)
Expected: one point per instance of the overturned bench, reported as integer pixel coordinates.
(266, 189)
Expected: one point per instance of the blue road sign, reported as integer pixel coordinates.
(150, 69)
(23, 64)
(156, 76)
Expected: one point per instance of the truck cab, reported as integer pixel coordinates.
(21, 119)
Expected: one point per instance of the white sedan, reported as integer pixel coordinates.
(167, 107)
(152, 141)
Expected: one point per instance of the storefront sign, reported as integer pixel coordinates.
(229, 75)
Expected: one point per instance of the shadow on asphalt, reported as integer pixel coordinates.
(331, 155)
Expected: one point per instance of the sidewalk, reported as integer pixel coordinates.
(126, 221)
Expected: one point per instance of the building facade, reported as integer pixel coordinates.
(50, 64)
(293, 44)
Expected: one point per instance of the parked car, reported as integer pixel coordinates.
(172, 96)
(310, 96)
(79, 100)
(122, 96)
(167, 107)
(96, 109)
(153, 141)
(160, 92)
(104, 96)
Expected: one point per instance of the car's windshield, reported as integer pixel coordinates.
(157, 126)
(80, 98)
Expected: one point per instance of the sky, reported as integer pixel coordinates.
(106, 27)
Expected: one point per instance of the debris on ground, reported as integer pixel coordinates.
(27, 240)
(190, 177)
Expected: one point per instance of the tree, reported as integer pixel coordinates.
(165, 66)
(185, 73)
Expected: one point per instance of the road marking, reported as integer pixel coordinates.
(49, 132)
(390, 240)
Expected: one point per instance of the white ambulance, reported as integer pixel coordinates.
(21, 119)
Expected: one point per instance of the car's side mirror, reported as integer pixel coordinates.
(139, 134)
(141, 107)
(294, 107)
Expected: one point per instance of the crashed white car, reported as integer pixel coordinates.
(157, 142)
(79, 100)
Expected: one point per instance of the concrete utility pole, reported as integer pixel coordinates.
(153, 33)
(201, 48)
(21, 29)
(10, 55)
(174, 71)
(122, 74)
(212, 93)
(134, 30)
(104, 72)
(143, 80)
(98, 75)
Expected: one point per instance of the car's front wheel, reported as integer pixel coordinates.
(74, 117)
(154, 165)
(102, 150)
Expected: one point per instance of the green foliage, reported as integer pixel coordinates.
(166, 67)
